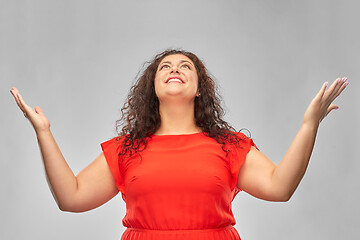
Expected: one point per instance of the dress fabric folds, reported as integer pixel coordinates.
(179, 187)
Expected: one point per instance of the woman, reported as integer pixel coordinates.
(177, 163)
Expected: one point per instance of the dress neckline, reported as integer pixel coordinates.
(177, 135)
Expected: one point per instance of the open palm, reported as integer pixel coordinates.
(38, 120)
(322, 104)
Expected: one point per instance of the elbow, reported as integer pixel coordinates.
(63, 208)
(67, 208)
(281, 196)
(72, 207)
(61, 205)
(285, 197)
(69, 205)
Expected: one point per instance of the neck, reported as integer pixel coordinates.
(177, 118)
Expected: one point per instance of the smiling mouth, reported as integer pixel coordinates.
(174, 80)
(178, 80)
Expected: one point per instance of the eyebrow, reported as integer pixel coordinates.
(182, 61)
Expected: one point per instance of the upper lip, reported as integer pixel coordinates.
(174, 78)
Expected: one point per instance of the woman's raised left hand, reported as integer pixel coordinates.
(322, 104)
(36, 117)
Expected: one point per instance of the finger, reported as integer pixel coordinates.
(340, 82)
(15, 94)
(333, 88)
(342, 85)
(27, 110)
(330, 108)
(24, 106)
(322, 90)
(38, 110)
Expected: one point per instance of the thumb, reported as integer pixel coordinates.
(332, 107)
(38, 110)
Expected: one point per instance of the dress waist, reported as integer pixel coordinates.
(225, 233)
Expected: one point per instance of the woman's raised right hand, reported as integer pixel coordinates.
(36, 117)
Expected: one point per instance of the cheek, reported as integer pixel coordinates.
(158, 77)
(196, 82)
(156, 84)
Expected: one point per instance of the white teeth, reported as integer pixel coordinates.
(174, 80)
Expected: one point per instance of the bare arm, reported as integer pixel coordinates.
(91, 188)
(260, 177)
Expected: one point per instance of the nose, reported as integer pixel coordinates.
(174, 69)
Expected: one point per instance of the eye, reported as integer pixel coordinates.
(186, 66)
(164, 66)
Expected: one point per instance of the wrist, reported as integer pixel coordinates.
(311, 126)
(43, 133)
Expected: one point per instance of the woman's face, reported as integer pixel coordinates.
(176, 76)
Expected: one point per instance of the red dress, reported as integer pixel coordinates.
(182, 188)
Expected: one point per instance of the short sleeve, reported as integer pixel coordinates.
(237, 158)
(111, 149)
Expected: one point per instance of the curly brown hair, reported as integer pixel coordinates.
(140, 114)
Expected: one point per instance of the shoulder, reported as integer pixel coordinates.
(242, 141)
(238, 137)
(241, 135)
(114, 142)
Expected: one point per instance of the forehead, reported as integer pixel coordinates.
(176, 58)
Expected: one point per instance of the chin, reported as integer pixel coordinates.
(177, 95)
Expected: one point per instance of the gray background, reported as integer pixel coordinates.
(78, 59)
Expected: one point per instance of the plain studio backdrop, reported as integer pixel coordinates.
(78, 59)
